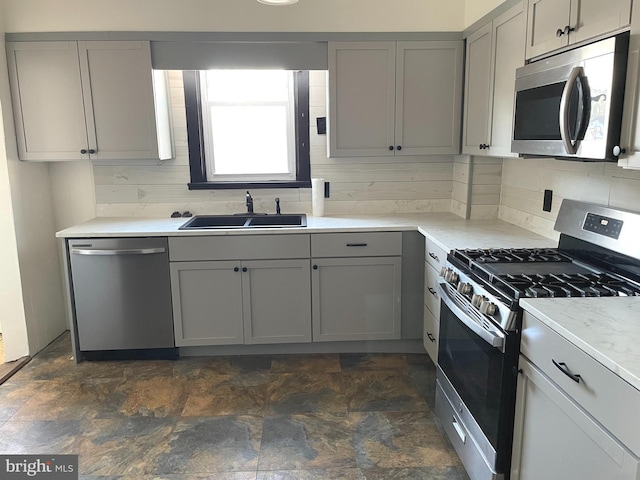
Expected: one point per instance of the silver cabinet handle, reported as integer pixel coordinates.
(433, 292)
(356, 244)
(121, 251)
(434, 256)
(569, 146)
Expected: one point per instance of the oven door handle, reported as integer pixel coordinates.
(494, 337)
(565, 105)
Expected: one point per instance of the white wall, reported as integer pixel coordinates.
(12, 315)
(476, 9)
(29, 234)
(235, 15)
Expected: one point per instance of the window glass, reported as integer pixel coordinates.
(248, 125)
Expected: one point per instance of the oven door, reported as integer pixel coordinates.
(479, 368)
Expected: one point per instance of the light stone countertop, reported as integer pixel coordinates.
(607, 329)
(445, 229)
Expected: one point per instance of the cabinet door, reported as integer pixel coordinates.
(361, 98)
(277, 301)
(544, 19)
(118, 90)
(356, 298)
(591, 18)
(428, 98)
(478, 90)
(555, 438)
(47, 100)
(630, 131)
(207, 303)
(508, 54)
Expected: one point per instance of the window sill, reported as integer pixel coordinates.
(245, 185)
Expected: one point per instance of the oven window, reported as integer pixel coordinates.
(537, 113)
(475, 369)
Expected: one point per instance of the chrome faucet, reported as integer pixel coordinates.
(249, 202)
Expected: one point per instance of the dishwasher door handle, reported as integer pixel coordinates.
(119, 251)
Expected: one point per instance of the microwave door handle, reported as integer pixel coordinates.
(565, 134)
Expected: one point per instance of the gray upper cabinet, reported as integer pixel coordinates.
(493, 54)
(88, 100)
(394, 98)
(553, 24)
(477, 103)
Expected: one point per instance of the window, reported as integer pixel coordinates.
(248, 128)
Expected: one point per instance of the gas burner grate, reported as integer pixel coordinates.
(566, 285)
(510, 255)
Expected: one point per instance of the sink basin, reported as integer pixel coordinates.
(245, 221)
(297, 220)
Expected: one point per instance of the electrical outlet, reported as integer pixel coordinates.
(546, 202)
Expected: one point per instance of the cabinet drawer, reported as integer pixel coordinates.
(608, 398)
(431, 329)
(367, 244)
(433, 254)
(431, 296)
(238, 247)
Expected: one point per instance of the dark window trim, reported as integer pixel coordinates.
(197, 164)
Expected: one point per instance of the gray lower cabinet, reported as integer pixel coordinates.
(244, 289)
(555, 438)
(356, 298)
(241, 302)
(575, 419)
(207, 303)
(276, 300)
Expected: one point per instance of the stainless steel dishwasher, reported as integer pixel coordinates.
(122, 294)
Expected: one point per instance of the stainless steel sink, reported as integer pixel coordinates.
(200, 222)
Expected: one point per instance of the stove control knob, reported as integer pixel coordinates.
(443, 272)
(464, 288)
(451, 276)
(487, 307)
(476, 300)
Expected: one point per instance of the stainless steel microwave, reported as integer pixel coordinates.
(570, 105)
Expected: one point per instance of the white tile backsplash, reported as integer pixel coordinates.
(524, 182)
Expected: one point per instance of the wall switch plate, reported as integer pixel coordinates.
(546, 202)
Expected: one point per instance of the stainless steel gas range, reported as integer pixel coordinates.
(598, 254)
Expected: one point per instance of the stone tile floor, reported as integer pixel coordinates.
(355, 416)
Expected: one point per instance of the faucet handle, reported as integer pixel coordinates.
(277, 206)
(249, 202)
